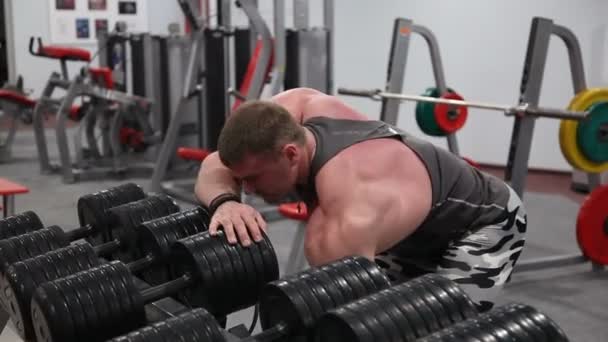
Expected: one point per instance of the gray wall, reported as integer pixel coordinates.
(482, 43)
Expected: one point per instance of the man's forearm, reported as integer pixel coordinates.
(213, 180)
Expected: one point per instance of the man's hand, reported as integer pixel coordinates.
(240, 220)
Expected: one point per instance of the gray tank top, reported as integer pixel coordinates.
(463, 197)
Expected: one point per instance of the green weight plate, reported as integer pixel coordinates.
(591, 138)
(425, 115)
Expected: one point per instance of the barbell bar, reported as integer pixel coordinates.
(379, 95)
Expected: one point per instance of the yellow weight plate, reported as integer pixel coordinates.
(568, 130)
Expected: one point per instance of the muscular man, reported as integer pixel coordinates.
(370, 189)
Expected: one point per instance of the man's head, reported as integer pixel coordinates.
(262, 144)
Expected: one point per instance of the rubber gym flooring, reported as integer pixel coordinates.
(572, 296)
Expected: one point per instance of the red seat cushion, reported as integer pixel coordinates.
(62, 52)
(196, 154)
(104, 74)
(294, 211)
(13, 96)
(9, 188)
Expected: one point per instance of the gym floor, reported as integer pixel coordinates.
(572, 296)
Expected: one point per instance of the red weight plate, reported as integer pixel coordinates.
(592, 226)
(446, 120)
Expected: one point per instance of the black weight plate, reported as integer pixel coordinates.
(7, 256)
(30, 245)
(269, 257)
(340, 283)
(150, 333)
(355, 276)
(511, 325)
(205, 250)
(194, 326)
(163, 332)
(362, 276)
(409, 310)
(416, 296)
(320, 292)
(108, 292)
(328, 284)
(280, 303)
(186, 259)
(174, 328)
(99, 300)
(484, 324)
(379, 278)
(382, 325)
(333, 327)
(400, 320)
(71, 286)
(91, 211)
(250, 275)
(448, 305)
(481, 331)
(466, 306)
(315, 308)
(366, 329)
(136, 316)
(465, 333)
(441, 315)
(238, 275)
(227, 282)
(526, 323)
(341, 269)
(258, 261)
(120, 294)
(72, 308)
(550, 328)
(46, 314)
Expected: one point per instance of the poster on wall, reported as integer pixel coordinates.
(75, 22)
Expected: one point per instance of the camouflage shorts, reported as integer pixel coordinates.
(481, 262)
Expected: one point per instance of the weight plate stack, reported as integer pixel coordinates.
(222, 271)
(300, 299)
(192, 326)
(20, 224)
(157, 235)
(92, 208)
(23, 277)
(512, 322)
(403, 312)
(103, 302)
(127, 217)
(26, 246)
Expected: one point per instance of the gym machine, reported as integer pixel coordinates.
(107, 109)
(15, 106)
(212, 49)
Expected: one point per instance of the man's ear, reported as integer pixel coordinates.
(291, 152)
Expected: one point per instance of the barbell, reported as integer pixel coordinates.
(154, 238)
(379, 95)
(104, 301)
(583, 132)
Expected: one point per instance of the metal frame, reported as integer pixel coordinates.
(13, 111)
(517, 166)
(402, 30)
(10, 40)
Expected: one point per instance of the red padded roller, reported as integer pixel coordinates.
(16, 97)
(294, 211)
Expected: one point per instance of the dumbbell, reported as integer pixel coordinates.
(155, 236)
(104, 301)
(512, 322)
(91, 208)
(289, 307)
(19, 224)
(123, 218)
(404, 312)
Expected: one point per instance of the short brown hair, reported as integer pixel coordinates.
(257, 127)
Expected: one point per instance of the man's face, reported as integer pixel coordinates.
(271, 178)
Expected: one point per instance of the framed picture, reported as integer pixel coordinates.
(82, 28)
(101, 27)
(65, 4)
(97, 5)
(127, 7)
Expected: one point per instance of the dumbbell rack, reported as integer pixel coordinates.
(523, 127)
